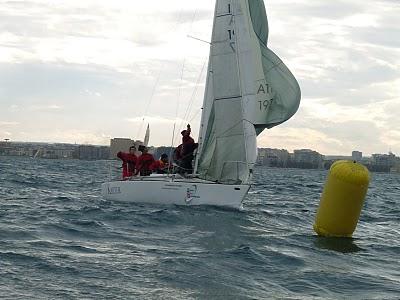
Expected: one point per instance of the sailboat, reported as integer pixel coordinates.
(248, 88)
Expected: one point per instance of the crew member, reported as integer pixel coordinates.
(129, 161)
(186, 151)
(161, 166)
(144, 163)
(177, 155)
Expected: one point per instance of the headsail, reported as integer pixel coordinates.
(147, 136)
(248, 89)
(277, 91)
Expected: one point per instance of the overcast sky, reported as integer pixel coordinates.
(84, 71)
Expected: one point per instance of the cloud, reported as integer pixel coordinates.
(5, 123)
(329, 138)
(293, 138)
(46, 107)
(13, 108)
(392, 139)
(155, 120)
(98, 32)
(79, 136)
(5, 134)
(337, 129)
(71, 68)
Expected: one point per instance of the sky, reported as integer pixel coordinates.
(89, 70)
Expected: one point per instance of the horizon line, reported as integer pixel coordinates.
(104, 145)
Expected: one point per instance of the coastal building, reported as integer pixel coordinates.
(281, 158)
(356, 155)
(5, 147)
(337, 157)
(396, 167)
(307, 158)
(383, 162)
(122, 144)
(90, 152)
(160, 150)
(273, 157)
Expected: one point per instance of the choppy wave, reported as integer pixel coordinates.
(60, 239)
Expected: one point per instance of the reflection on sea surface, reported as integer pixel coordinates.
(343, 245)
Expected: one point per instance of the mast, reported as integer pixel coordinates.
(204, 115)
(237, 51)
(202, 122)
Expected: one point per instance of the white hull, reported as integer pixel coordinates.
(167, 190)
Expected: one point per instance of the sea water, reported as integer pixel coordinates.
(59, 239)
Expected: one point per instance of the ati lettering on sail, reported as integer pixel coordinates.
(264, 97)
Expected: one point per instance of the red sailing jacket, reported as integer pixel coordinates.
(188, 146)
(144, 162)
(159, 165)
(128, 163)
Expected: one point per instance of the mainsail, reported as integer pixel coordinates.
(248, 89)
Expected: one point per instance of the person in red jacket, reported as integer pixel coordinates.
(144, 163)
(161, 166)
(129, 161)
(186, 151)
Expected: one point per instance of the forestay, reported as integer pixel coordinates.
(248, 88)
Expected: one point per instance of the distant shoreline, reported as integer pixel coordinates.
(269, 157)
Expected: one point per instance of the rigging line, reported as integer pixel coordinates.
(178, 100)
(193, 18)
(195, 115)
(150, 99)
(180, 88)
(179, 21)
(170, 160)
(181, 82)
(195, 38)
(196, 87)
(190, 105)
(187, 113)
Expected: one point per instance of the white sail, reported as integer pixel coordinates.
(248, 89)
(147, 136)
(277, 93)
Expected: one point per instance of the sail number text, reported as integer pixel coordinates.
(264, 95)
(264, 105)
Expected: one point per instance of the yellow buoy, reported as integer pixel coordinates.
(342, 199)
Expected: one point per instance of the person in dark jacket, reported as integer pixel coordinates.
(129, 161)
(177, 154)
(186, 151)
(161, 166)
(144, 163)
